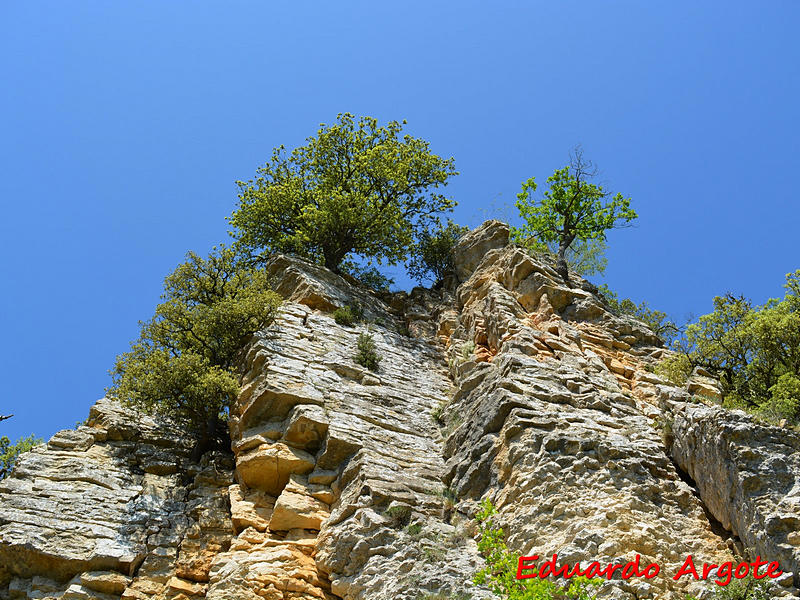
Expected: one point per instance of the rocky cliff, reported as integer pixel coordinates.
(346, 483)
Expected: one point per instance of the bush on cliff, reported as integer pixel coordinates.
(748, 588)
(500, 572)
(10, 452)
(356, 189)
(367, 353)
(754, 351)
(585, 257)
(658, 321)
(348, 315)
(431, 257)
(183, 364)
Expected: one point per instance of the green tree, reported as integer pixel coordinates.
(572, 209)
(184, 363)
(431, 257)
(658, 321)
(754, 351)
(500, 572)
(585, 257)
(10, 452)
(356, 189)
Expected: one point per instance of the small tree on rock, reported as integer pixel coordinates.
(356, 189)
(9, 453)
(183, 364)
(573, 208)
(432, 256)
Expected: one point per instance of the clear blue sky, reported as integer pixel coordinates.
(123, 126)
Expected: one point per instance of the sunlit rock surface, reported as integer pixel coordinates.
(510, 384)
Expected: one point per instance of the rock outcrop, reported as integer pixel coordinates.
(112, 509)
(352, 484)
(748, 476)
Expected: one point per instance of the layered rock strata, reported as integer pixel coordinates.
(346, 459)
(347, 483)
(558, 418)
(113, 509)
(748, 475)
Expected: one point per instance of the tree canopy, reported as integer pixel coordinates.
(431, 257)
(572, 209)
(357, 188)
(753, 350)
(10, 452)
(658, 321)
(183, 364)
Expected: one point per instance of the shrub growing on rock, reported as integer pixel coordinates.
(431, 257)
(747, 588)
(399, 515)
(754, 351)
(10, 452)
(183, 364)
(658, 321)
(500, 572)
(367, 353)
(348, 315)
(585, 257)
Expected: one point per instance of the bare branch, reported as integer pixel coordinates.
(582, 168)
(3, 418)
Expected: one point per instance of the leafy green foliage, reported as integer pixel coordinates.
(10, 452)
(754, 351)
(572, 209)
(348, 315)
(399, 515)
(431, 256)
(585, 257)
(183, 364)
(367, 276)
(656, 320)
(747, 588)
(676, 369)
(354, 189)
(367, 353)
(467, 349)
(500, 572)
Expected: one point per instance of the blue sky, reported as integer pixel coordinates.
(123, 126)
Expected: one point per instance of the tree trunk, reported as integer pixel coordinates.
(208, 439)
(333, 260)
(561, 261)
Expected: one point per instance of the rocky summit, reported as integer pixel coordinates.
(508, 384)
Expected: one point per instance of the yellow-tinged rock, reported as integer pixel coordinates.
(296, 508)
(269, 466)
(107, 582)
(190, 588)
(250, 509)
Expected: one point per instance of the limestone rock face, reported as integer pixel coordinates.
(474, 245)
(553, 419)
(353, 456)
(344, 483)
(747, 474)
(112, 509)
